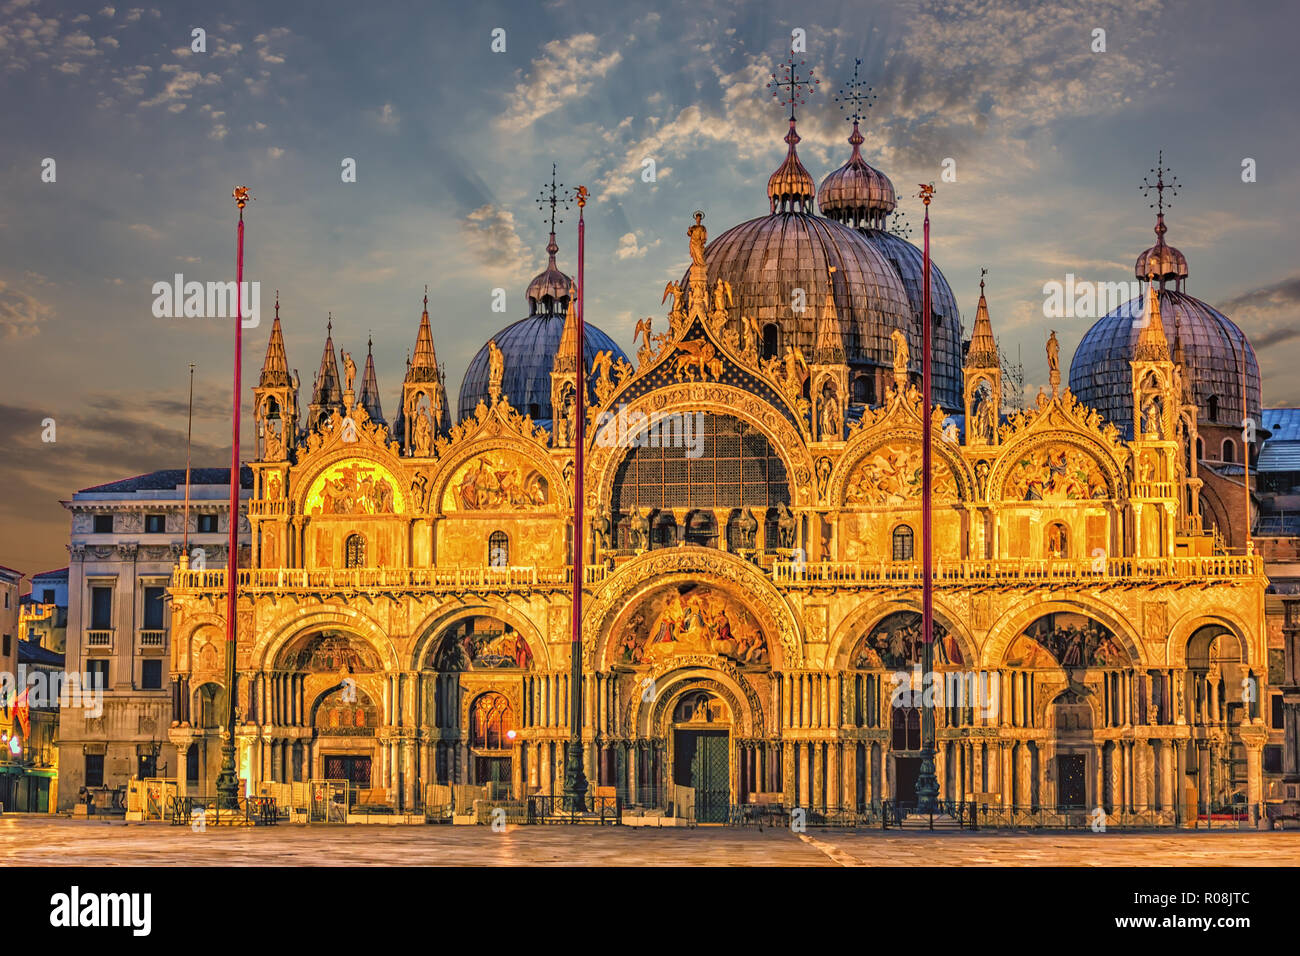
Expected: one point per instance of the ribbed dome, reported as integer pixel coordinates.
(857, 194)
(945, 338)
(1162, 260)
(1213, 346)
(548, 293)
(767, 258)
(528, 348)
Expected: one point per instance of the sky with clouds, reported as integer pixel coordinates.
(453, 143)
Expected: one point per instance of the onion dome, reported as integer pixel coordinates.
(791, 187)
(548, 293)
(529, 347)
(857, 194)
(1216, 354)
(1162, 260)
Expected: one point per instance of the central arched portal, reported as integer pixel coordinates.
(693, 662)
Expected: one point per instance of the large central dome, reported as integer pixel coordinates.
(779, 266)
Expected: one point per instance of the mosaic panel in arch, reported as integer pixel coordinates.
(891, 475)
(896, 642)
(332, 653)
(1056, 473)
(691, 619)
(355, 487)
(496, 481)
(482, 643)
(1066, 639)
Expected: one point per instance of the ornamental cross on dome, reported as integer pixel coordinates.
(790, 88)
(1160, 185)
(855, 96)
(554, 196)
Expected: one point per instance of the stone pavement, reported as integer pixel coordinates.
(55, 841)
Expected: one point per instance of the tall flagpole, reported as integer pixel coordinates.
(575, 778)
(927, 785)
(228, 778)
(189, 433)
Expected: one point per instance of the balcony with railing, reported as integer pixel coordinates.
(99, 637)
(981, 572)
(152, 638)
(480, 578)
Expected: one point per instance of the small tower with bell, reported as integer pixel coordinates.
(275, 399)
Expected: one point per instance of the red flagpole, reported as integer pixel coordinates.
(575, 779)
(927, 784)
(228, 778)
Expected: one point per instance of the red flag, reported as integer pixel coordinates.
(23, 711)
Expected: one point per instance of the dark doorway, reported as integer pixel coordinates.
(906, 771)
(1072, 780)
(494, 773)
(701, 762)
(352, 769)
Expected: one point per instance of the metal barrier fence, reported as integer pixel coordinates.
(944, 814)
(207, 810)
(551, 809)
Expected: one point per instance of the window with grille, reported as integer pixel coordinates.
(903, 541)
(354, 551)
(736, 466)
(491, 722)
(498, 549)
(905, 728)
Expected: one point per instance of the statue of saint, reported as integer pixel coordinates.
(496, 367)
(1053, 353)
(423, 434)
(349, 371)
(697, 234)
(901, 354)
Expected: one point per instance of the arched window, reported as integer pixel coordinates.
(1200, 448)
(354, 551)
(771, 340)
(498, 549)
(492, 721)
(1058, 541)
(903, 543)
(1212, 408)
(905, 725)
(864, 392)
(1229, 450)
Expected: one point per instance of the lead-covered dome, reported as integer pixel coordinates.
(779, 268)
(1215, 353)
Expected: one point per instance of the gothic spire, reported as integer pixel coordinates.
(983, 351)
(370, 387)
(328, 393)
(1152, 345)
(275, 367)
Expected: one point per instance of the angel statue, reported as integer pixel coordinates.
(721, 296)
(645, 352)
(674, 290)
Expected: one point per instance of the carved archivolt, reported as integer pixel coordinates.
(634, 580)
(1074, 462)
(604, 458)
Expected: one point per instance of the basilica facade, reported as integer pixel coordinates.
(750, 621)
